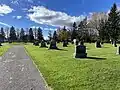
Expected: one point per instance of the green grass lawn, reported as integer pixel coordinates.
(3, 49)
(63, 72)
(18, 43)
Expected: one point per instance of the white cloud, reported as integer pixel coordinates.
(25, 9)
(51, 29)
(17, 2)
(31, 1)
(17, 17)
(4, 9)
(42, 15)
(44, 28)
(4, 24)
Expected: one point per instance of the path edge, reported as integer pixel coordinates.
(46, 85)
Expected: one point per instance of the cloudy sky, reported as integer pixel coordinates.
(49, 13)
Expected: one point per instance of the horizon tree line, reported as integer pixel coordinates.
(20, 35)
(103, 27)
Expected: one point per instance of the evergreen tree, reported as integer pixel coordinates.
(22, 34)
(7, 32)
(74, 31)
(31, 37)
(55, 36)
(83, 24)
(113, 24)
(12, 34)
(50, 35)
(82, 32)
(103, 34)
(18, 34)
(2, 35)
(39, 34)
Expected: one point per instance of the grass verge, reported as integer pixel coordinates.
(101, 71)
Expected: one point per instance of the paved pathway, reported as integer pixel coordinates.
(17, 72)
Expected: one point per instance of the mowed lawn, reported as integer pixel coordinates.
(101, 71)
(4, 48)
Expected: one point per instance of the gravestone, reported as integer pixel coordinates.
(36, 43)
(53, 45)
(0, 44)
(76, 41)
(10, 41)
(48, 42)
(102, 43)
(80, 51)
(111, 41)
(98, 44)
(65, 43)
(72, 42)
(114, 44)
(43, 44)
(118, 50)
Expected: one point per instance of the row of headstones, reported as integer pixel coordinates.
(80, 49)
(52, 44)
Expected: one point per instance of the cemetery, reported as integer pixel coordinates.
(84, 56)
(63, 71)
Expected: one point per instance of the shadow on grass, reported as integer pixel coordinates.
(106, 47)
(58, 49)
(96, 58)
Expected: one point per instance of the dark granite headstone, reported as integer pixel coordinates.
(53, 45)
(98, 44)
(43, 44)
(48, 42)
(10, 41)
(0, 44)
(72, 42)
(36, 43)
(102, 43)
(114, 44)
(77, 42)
(118, 50)
(65, 43)
(80, 51)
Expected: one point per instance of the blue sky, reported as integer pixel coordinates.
(49, 14)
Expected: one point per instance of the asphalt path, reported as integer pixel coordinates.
(17, 71)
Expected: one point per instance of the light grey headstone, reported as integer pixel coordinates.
(118, 50)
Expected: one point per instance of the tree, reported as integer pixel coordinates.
(95, 19)
(7, 32)
(103, 35)
(22, 34)
(63, 34)
(31, 37)
(18, 34)
(2, 35)
(39, 34)
(74, 31)
(55, 36)
(82, 32)
(12, 34)
(113, 24)
(50, 35)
